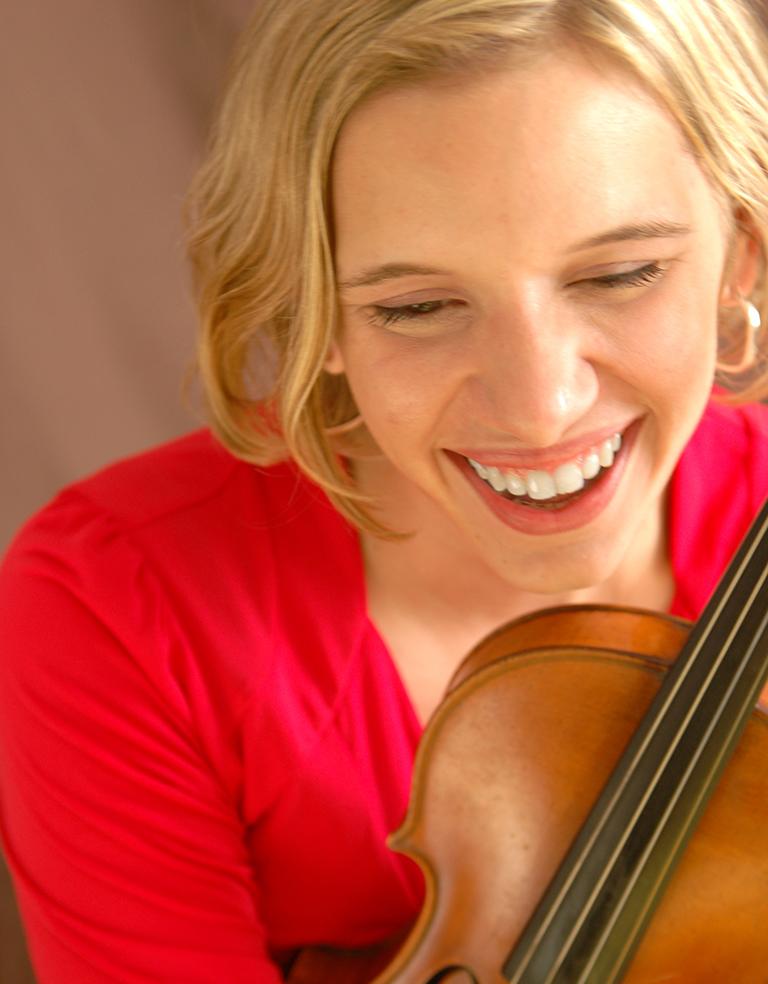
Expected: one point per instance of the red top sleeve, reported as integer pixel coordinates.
(203, 741)
(717, 490)
(127, 850)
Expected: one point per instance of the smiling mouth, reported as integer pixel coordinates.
(558, 501)
(551, 490)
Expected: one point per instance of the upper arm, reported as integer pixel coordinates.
(127, 853)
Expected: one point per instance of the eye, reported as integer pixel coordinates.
(647, 274)
(408, 312)
(424, 310)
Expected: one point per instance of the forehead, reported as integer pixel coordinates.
(559, 148)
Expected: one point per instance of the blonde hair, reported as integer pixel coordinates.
(261, 243)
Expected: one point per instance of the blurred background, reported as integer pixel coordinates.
(104, 109)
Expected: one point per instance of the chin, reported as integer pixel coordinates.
(559, 576)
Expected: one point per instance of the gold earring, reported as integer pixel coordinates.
(753, 323)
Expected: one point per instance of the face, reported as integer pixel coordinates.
(530, 266)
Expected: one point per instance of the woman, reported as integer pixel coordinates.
(468, 272)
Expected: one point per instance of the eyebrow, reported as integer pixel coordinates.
(626, 233)
(641, 230)
(388, 271)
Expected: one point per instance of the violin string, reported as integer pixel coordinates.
(755, 538)
(714, 767)
(732, 588)
(670, 754)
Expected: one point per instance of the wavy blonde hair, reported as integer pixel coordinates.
(260, 235)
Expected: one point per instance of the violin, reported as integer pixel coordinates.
(590, 803)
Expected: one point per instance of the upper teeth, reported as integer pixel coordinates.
(541, 484)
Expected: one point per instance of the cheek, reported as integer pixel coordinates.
(671, 369)
(396, 406)
(670, 342)
(401, 386)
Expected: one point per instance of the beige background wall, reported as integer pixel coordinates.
(104, 105)
(103, 109)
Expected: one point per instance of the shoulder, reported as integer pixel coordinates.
(725, 465)
(719, 486)
(737, 433)
(184, 549)
(189, 476)
(179, 499)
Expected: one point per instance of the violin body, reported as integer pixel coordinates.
(509, 767)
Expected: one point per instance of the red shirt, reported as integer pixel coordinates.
(203, 740)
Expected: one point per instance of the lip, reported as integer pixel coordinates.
(548, 458)
(584, 509)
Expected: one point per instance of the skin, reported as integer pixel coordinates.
(492, 181)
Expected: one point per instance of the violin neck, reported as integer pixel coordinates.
(591, 919)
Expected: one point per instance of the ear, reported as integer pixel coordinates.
(743, 264)
(334, 360)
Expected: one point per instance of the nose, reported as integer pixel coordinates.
(537, 378)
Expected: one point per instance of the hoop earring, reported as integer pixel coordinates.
(753, 323)
(346, 427)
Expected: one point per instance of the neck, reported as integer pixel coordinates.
(438, 577)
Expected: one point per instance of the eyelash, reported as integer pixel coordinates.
(408, 312)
